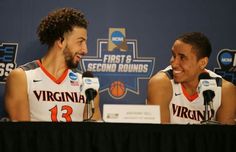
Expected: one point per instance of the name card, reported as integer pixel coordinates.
(124, 113)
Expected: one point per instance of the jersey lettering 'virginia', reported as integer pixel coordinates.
(59, 96)
(184, 112)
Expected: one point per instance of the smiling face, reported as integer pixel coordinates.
(186, 67)
(75, 46)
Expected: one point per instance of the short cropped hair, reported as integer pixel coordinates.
(59, 22)
(200, 43)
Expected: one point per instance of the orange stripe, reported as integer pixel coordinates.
(59, 80)
(62, 77)
(189, 97)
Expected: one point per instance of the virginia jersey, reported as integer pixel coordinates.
(53, 99)
(186, 109)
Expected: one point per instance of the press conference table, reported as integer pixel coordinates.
(109, 137)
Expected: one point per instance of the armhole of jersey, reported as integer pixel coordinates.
(218, 81)
(215, 76)
(26, 67)
(29, 66)
(169, 73)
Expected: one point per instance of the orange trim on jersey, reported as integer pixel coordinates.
(189, 97)
(59, 80)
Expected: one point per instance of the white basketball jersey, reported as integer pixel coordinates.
(51, 99)
(185, 109)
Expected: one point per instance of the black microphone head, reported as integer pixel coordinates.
(90, 94)
(88, 74)
(208, 95)
(204, 75)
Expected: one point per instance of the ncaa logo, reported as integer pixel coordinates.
(72, 76)
(205, 83)
(88, 81)
(226, 58)
(117, 37)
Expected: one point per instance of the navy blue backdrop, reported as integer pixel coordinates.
(150, 29)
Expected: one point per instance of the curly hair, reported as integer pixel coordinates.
(58, 22)
(199, 41)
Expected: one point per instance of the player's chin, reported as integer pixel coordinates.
(177, 79)
(73, 65)
(76, 61)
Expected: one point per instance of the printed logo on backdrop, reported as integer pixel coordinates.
(8, 53)
(118, 65)
(226, 59)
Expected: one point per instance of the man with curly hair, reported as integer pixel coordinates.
(49, 89)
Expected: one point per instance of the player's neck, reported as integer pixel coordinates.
(54, 63)
(190, 87)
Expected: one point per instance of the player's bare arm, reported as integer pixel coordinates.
(16, 100)
(226, 112)
(160, 93)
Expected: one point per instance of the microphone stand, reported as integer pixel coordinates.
(205, 112)
(207, 120)
(89, 110)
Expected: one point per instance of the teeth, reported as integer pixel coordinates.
(175, 71)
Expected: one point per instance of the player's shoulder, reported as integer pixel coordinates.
(159, 76)
(227, 85)
(164, 75)
(17, 74)
(160, 79)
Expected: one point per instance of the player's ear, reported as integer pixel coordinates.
(60, 42)
(203, 62)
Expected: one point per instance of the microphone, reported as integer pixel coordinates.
(206, 87)
(90, 87)
(208, 97)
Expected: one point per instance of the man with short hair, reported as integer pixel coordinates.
(175, 88)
